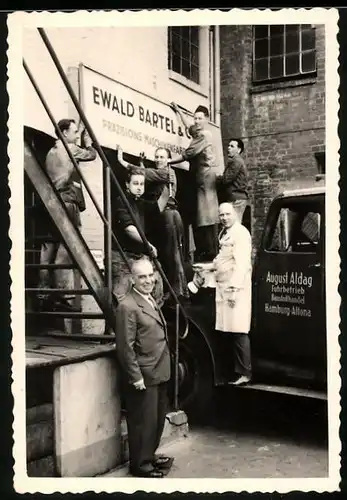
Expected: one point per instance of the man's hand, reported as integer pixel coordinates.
(140, 385)
(142, 156)
(154, 251)
(198, 280)
(174, 106)
(119, 153)
(85, 139)
(232, 297)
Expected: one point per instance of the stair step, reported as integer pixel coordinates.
(109, 338)
(38, 237)
(51, 266)
(46, 291)
(66, 314)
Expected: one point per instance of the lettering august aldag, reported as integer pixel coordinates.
(294, 278)
(126, 108)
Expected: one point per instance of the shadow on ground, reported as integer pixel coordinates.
(269, 415)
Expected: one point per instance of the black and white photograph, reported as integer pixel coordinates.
(174, 220)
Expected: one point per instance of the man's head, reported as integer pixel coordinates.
(235, 147)
(227, 214)
(161, 157)
(143, 275)
(201, 117)
(135, 183)
(69, 130)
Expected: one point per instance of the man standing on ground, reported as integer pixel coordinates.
(234, 182)
(144, 356)
(233, 276)
(65, 179)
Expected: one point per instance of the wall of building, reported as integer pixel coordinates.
(136, 57)
(282, 125)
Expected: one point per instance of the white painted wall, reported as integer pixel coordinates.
(134, 56)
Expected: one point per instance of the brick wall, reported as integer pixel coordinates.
(282, 125)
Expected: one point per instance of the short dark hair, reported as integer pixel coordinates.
(240, 143)
(202, 109)
(134, 171)
(64, 124)
(169, 155)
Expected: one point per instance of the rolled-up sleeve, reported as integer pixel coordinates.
(195, 147)
(157, 176)
(83, 154)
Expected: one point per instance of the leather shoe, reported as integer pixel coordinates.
(153, 473)
(242, 380)
(163, 462)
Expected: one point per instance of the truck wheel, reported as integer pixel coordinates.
(195, 376)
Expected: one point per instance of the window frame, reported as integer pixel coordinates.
(300, 75)
(271, 224)
(182, 59)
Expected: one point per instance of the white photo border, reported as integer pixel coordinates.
(17, 21)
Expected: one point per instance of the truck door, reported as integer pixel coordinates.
(289, 308)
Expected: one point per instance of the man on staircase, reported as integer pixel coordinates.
(65, 179)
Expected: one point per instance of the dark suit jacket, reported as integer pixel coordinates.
(141, 341)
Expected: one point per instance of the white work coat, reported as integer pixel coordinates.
(233, 268)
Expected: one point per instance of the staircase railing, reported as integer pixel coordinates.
(106, 165)
(109, 176)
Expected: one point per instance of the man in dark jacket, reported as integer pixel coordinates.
(144, 357)
(65, 179)
(128, 236)
(234, 182)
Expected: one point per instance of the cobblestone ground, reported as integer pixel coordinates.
(263, 436)
(253, 435)
(260, 436)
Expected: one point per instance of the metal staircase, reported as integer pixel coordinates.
(76, 245)
(98, 285)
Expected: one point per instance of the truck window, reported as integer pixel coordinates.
(296, 229)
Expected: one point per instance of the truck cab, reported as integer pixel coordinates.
(288, 332)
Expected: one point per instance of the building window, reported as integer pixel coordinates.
(183, 51)
(283, 51)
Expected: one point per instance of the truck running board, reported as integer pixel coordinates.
(282, 389)
(71, 236)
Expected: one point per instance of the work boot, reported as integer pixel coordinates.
(61, 304)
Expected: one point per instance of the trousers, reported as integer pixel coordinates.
(242, 354)
(55, 252)
(206, 242)
(170, 250)
(146, 411)
(237, 346)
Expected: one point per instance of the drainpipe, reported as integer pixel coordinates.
(217, 76)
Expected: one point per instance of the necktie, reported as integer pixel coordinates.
(153, 302)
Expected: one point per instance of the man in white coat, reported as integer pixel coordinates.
(233, 278)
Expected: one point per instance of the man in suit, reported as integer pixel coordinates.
(144, 356)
